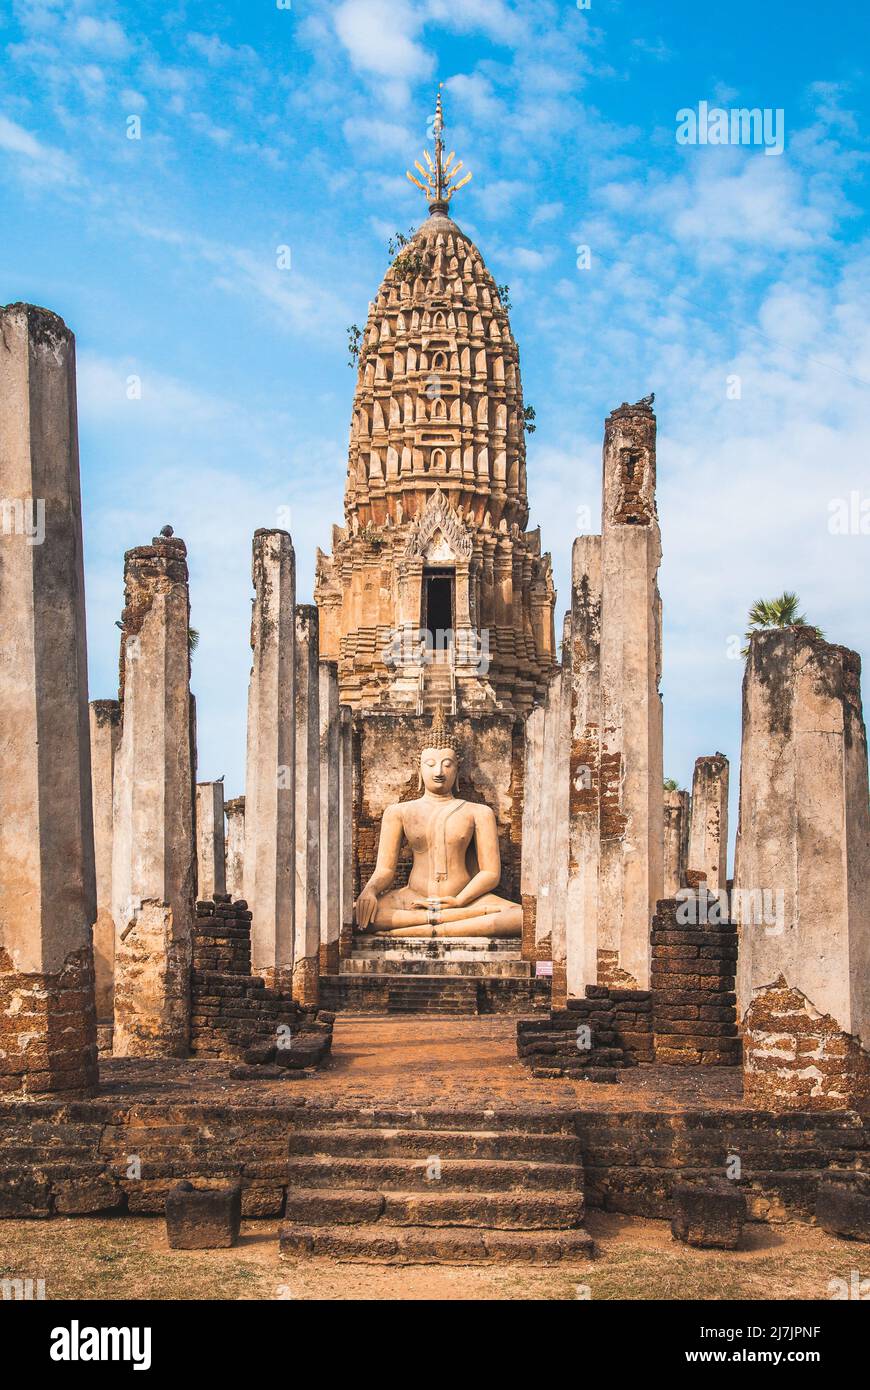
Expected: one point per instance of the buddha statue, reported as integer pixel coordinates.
(456, 859)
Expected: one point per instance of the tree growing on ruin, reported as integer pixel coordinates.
(781, 612)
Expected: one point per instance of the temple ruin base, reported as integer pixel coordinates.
(191, 1120)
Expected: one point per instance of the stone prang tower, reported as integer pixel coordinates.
(435, 593)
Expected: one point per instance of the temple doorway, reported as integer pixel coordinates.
(438, 608)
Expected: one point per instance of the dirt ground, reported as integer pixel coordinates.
(401, 1062)
(90, 1258)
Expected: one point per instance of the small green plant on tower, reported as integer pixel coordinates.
(768, 613)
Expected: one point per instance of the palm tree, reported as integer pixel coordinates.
(767, 613)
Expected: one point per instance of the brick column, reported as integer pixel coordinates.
(270, 813)
(330, 818)
(708, 836)
(235, 846)
(676, 840)
(47, 882)
(306, 958)
(105, 722)
(346, 828)
(154, 850)
(210, 842)
(530, 866)
(632, 772)
(584, 765)
(802, 875)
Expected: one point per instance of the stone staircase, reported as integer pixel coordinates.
(435, 1187)
(439, 683)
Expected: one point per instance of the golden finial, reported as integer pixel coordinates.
(439, 178)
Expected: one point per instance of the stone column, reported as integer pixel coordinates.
(557, 809)
(47, 885)
(584, 765)
(330, 819)
(676, 840)
(546, 885)
(306, 958)
(210, 843)
(270, 787)
(154, 849)
(708, 837)
(802, 875)
(346, 828)
(105, 724)
(235, 846)
(530, 869)
(631, 815)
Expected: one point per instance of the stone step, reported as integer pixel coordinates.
(443, 1143)
(384, 993)
(432, 1244)
(511, 1211)
(414, 1174)
(433, 1118)
(452, 968)
(438, 947)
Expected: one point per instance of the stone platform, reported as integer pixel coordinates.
(461, 956)
(451, 976)
(396, 1094)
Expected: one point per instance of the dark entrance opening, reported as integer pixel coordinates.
(438, 607)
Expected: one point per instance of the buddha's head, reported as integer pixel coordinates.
(439, 759)
(439, 770)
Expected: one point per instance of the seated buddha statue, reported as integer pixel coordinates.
(456, 859)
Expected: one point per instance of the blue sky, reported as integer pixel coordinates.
(264, 127)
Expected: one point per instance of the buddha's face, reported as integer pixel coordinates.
(438, 769)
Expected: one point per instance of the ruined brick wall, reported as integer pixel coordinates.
(694, 1004)
(152, 985)
(619, 1034)
(796, 1058)
(631, 1157)
(386, 761)
(48, 1028)
(231, 1008)
(222, 936)
(610, 975)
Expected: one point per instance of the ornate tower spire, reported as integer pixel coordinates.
(440, 175)
(436, 504)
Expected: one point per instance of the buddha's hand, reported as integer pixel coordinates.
(438, 903)
(366, 907)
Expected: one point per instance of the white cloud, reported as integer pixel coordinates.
(371, 136)
(546, 212)
(529, 259)
(747, 200)
(380, 37)
(475, 94)
(217, 53)
(492, 17)
(103, 35)
(295, 300)
(37, 161)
